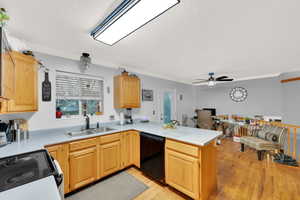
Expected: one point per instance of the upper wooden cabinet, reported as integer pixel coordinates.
(127, 91)
(19, 84)
(7, 76)
(25, 98)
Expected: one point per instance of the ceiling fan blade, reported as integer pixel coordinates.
(201, 81)
(221, 77)
(229, 79)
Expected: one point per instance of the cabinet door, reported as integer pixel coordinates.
(136, 148)
(61, 154)
(132, 92)
(126, 145)
(83, 167)
(110, 158)
(3, 106)
(8, 76)
(25, 98)
(182, 172)
(126, 92)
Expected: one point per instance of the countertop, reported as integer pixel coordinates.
(40, 139)
(42, 189)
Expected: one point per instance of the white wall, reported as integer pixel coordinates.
(264, 97)
(291, 99)
(45, 117)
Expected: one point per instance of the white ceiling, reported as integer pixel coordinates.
(243, 39)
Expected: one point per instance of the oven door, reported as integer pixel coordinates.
(59, 179)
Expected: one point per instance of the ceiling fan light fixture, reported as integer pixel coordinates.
(211, 83)
(129, 16)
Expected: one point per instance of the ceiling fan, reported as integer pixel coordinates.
(211, 81)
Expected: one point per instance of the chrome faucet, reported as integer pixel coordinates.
(87, 122)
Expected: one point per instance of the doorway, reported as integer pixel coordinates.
(168, 105)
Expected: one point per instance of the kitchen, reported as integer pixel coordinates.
(95, 137)
(59, 136)
(88, 112)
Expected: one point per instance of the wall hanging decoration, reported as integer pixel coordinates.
(147, 95)
(46, 84)
(238, 94)
(46, 88)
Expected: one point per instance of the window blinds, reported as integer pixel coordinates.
(77, 86)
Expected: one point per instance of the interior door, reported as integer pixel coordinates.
(167, 101)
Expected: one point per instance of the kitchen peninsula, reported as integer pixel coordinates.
(190, 154)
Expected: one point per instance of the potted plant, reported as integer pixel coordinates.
(3, 17)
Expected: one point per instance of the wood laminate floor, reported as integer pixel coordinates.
(240, 177)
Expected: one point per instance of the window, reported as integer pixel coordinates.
(78, 94)
(68, 107)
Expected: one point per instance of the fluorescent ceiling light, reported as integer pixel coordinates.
(129, 16)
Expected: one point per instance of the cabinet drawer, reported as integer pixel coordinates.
(82, 144)
(182, 147)
(110, 138)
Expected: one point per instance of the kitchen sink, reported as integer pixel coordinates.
(90, 131)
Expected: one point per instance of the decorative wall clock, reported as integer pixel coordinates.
(238, 94)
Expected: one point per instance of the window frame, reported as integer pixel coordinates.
(80, 99)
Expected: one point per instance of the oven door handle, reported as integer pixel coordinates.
(59, 175)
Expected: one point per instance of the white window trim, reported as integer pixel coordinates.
(80, 116)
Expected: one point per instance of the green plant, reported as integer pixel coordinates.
(3, 17)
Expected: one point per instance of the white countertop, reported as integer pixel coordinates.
(40, 139)
(43, 189)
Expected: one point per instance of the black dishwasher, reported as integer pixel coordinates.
(152, 156)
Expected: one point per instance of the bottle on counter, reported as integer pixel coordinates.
(11, 135)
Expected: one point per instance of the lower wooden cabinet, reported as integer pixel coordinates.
(61, 154)
(130, 149)
(83, 167)
(127, 149)
(182, 172)
(85, 161)
(110, 158)
(191, 169)
(136, 148)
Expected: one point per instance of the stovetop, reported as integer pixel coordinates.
(24, 168)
